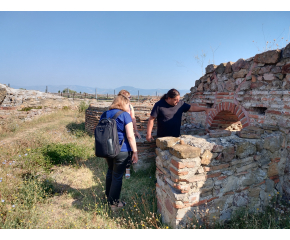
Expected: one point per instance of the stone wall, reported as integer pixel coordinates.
(254, 92)
(206, 178)
(224, 170)
(146, 150)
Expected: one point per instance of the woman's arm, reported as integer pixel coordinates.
(132, 114)
(132, 141)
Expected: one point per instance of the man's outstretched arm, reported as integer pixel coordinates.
(194, 108)
(149, 128)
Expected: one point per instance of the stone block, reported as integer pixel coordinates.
(228, 154)
(286, 69)
(206, 157)
(240, 74)
(254, 192)
(228, 68)
(246, 167)
(269, 57)
(238, 65)
(245, 149)
(269, 77)
(221, 68)
(241, 199)
(273, 169)
(230, 85)
(184, 151)
(269, 185)
(166, 142)
(210, 68)
(219, 133)
(273, 143)
(251, 132)
(232, 184)
(286, 51)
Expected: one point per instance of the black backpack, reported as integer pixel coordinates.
(106, 137)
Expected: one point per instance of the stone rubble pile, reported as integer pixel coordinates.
(14, 102)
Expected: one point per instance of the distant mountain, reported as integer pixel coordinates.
(83, 89)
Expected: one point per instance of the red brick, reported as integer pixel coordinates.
(241, 116)
(222, 177)
(176, 164)
(241, 173)
(243, 189)
(212, 199)
(219, 156)
(222, 93)
(199, 203)
(276, 180)
(275, 160)
(244, 120)
(178, 173)
(213, 175)
(274, 177)
(221, 166)
(273, 112)
(259, 184)
(253, 116)
(239, 112)
(228, 193)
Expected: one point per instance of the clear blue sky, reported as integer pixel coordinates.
(140, 49)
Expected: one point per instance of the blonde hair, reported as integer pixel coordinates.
(124, 92)
(120, 103)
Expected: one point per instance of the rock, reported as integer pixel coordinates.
(269, 185)
(269, 77)
(273, 143)
(228, 154)
(251, 132)
(245, 149)
(245, 85)
(270, 127)
(228, 68)
(241, 199)
(226, 215)
(232, 184)
(254, 192)
(210, 68)
(206, 157)
(238, 65)
(221, 68)
(266, 69)
(286, 69)
(3, 93)
(240, 74)
(213, 86)
(276, 69)
(219, 133)
(197, 82)
(230, 85)
(193, 89)
(184, 151)
(269, 57)
(273, 169)
(286, 51)
(166, 142)
(200, 87)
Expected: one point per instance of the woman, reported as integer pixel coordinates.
(132, 114)
(117, 165)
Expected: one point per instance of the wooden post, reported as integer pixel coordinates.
(107, 96)
(73, 96)
(138, 95)
(114, 93)
(46, 89)
(8, 84)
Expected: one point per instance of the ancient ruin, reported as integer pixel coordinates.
(207, 176)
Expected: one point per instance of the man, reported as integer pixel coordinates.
(168, 111)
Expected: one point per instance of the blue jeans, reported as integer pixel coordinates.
(116, 169)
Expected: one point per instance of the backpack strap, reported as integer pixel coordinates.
(115, 117)
(117, 114)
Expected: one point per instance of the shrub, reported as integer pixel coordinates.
(83, 106)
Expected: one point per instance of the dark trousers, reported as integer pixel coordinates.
(116, 169)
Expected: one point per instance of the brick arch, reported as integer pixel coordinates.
(238, 110)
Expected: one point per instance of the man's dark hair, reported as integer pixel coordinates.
(172, 93)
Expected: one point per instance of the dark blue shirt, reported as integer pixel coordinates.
(169, 117)
(121, 121)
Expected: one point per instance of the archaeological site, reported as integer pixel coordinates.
(238, 156)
